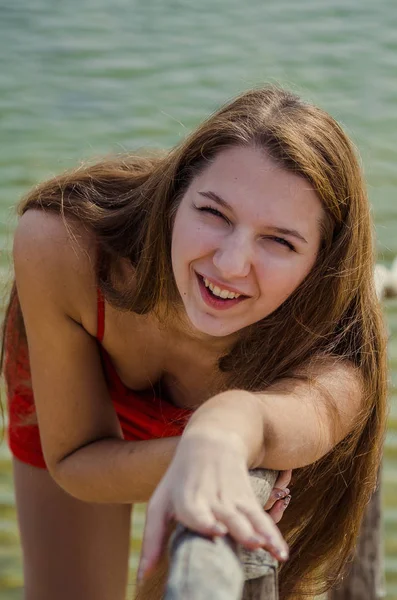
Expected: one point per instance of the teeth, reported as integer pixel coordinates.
(218, 292)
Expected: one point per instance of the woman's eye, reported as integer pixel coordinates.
(211, 210)
(282, 242)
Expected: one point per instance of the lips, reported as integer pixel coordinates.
(221, 285)
(214, 301)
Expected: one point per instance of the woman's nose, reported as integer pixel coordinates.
(233, 258)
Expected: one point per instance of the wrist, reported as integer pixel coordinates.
(235, 418)
(206, 435)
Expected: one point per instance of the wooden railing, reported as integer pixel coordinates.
(365, 576)
(220, 569)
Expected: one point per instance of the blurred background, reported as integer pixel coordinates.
(84, 78)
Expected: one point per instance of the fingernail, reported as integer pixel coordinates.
(287, 500)
(283, 554)
(280, 551)
(282, 494)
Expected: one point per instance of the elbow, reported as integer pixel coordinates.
(70, 473)
(87, 476)
(66, 476)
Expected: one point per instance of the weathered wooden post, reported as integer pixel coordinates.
(365, 578)
(202, 568)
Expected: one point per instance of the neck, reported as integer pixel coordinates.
(181, 328)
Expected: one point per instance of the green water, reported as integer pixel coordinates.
(88, 77)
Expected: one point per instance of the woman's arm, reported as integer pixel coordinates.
(294, 422)
(80, 433)
(207, 488)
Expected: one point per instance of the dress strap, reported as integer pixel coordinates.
(100, 331)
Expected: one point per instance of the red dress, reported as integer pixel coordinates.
(142, 415)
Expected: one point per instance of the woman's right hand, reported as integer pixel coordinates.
(207, 488)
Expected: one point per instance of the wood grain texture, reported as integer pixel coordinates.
(265, 588)
(365, 577)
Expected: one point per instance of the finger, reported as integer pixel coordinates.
(277, 510)
(283, 479)
(264, 526)
(153, 539)
(238, 525)
(200, 518)
(275, 495)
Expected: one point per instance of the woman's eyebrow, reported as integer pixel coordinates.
(224, 204)
(217, 199)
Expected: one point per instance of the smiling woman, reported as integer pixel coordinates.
(178, 319)
(261, 246)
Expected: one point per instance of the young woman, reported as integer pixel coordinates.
(223, 290)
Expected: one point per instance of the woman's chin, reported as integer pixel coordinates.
(211, 326)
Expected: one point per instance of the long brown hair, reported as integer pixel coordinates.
(129, 203)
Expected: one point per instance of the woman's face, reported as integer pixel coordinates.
(246, 234)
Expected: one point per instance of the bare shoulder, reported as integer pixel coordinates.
(56, 256)
(40, 234)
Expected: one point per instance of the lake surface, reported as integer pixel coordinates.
(86, 78)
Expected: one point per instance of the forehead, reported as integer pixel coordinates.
(255, 186)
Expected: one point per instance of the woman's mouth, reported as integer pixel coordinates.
(213, 298)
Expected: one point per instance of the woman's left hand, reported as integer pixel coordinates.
(280, 496)
(207, 489)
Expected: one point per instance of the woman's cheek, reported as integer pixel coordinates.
(279, 279)
(201, 242)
